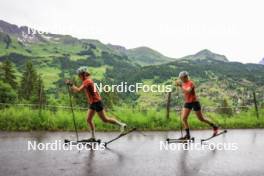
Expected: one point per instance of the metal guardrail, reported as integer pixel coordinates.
(214, 108)
(48, 106)
(177, 108)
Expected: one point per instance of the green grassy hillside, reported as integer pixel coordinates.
(56, 57)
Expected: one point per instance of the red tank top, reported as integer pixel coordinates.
(189, 97)
(91, 92)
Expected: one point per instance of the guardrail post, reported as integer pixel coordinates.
(168, 105)
(256, 104)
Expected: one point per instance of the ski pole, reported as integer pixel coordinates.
(73, 115)
(180, 114)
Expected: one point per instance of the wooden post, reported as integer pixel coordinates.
(256, 104)
(168, 105)
(40, 100)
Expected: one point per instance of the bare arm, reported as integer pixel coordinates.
(73, 87)
(178, 83)
(77, 89)
(188, 90)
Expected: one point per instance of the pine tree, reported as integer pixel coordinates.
(8, 41)
(39, 96)
(28, 82)
(7, 94)
(8, 74)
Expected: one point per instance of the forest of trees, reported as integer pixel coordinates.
(27, 89)
(27, 86)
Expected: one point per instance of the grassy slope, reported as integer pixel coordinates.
(45, 53)
(50, 75)
(147, 56)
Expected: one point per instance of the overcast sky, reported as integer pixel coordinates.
(234, 28)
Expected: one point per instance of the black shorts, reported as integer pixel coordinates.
(97, 106)
(194, 105)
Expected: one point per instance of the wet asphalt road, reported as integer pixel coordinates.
(134, 155)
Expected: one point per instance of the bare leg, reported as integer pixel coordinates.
(106, 119)
(90, 121)
(184, 116)
(202, 118)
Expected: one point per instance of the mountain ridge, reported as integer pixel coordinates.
(206, 54)
(141, 55)
(56, 57)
